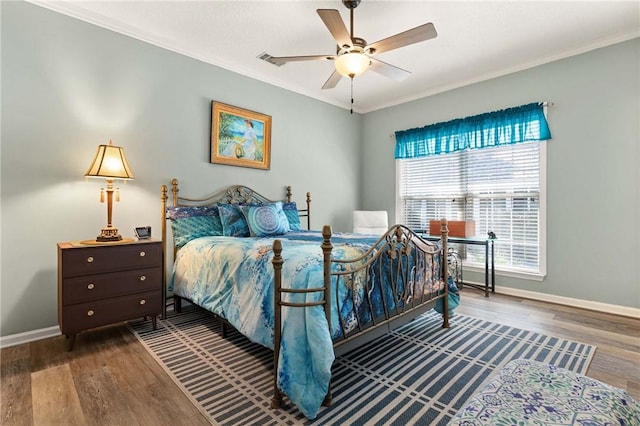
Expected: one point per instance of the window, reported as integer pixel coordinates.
(488, 168)
(499, 188)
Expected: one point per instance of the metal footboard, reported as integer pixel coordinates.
(401, 270)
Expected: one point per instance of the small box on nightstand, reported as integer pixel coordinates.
(457, 228)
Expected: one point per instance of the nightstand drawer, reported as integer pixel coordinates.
(102, 286)
(96, 260)
(98, 313)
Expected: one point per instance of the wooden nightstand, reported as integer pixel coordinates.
(104, 284)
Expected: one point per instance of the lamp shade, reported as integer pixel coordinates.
(352, 64)
(110, 163)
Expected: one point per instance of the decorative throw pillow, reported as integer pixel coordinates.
(266, 220)
(188, 223)
(291, 211)
(233, 222)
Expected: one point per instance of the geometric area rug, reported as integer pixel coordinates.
(419, 374)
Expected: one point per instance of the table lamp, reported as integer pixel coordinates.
(109, 163)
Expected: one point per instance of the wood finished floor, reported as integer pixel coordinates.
(110, 379)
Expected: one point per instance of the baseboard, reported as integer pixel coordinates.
(32, 336)
(624, 311)
(29, 336)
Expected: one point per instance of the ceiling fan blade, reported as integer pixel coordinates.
(414, 35)
(388, 70)
(334, 23)
(333, 80)
(281, 60)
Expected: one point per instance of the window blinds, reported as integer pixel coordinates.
(499, 188)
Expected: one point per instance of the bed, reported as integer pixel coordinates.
(305, 294)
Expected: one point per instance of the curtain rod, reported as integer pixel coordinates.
(548, 104)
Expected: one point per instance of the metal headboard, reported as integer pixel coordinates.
(230, 195)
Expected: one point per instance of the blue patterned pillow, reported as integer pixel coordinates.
(291, 211)
(233, 222)
(188, 223)
(266, 220)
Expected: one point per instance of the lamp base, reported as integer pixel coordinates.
(109, 234)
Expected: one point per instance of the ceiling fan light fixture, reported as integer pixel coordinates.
(352, 64)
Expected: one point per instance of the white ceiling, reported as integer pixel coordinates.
(477, 40)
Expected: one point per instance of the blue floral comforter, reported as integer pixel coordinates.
(233, 278)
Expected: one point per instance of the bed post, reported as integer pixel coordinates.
(163, 227)
(326, 253)
(177, 301)
(174, 191)
(277, 262)
(289, 194)
(308, 211)
(444, 235)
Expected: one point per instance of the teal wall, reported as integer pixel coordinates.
(68, 86)
(593, 163)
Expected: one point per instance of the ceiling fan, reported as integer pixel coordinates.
(354, 56)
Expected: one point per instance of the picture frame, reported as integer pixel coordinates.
(240, 137)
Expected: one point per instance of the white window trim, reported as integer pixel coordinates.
(531, 276)
(543, 208)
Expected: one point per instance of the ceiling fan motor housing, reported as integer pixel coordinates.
(358, 45)
(351, 4)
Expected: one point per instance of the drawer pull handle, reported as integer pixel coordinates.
(90, 259)
(90, 286)
(142, 278)
(90, 313)
(142, 302)
(142, 254)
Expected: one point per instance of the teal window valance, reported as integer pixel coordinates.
(525, 123)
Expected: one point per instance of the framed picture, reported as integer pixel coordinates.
(240, 137)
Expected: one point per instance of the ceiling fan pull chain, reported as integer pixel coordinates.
(351, 95)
